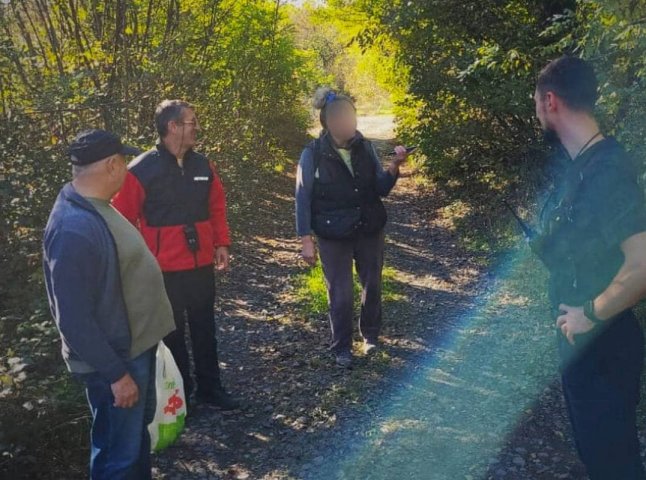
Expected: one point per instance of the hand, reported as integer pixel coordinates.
(573, 322)
(400, 157)
(309, 250)
(125, 391)
(400, 154)
(222, 258)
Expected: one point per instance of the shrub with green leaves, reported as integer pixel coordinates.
(472, 67)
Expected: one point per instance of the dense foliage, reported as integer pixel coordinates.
(471, 71)
(71, 65)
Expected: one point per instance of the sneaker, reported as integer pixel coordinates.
(369, 348)
(218, 398)
(344, 360)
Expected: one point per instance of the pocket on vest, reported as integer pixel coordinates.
(375, 217)
(338, 225)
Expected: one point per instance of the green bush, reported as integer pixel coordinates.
(471, 69)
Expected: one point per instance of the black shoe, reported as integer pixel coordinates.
(190, 406)
(344, 360)
(218, 398)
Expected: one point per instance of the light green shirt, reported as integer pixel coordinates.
(149, 311)
(346, 155)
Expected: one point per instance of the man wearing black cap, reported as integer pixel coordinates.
(107, 296)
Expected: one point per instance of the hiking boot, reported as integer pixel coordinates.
(344, 360)
(219, 398)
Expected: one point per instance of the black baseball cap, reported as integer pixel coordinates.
(90, 146)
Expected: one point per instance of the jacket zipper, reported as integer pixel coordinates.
(158, 242)
(181, 167)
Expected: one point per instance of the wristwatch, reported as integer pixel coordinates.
(588, 311)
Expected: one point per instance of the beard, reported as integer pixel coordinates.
(550, 137)
(557, 157)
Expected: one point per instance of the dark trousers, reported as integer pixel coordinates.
(601, 385)
(192, 296)
(120, 442)
(337, 257)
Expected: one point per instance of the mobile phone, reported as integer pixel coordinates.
(408, 150)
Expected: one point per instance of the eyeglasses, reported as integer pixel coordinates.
(194, 122)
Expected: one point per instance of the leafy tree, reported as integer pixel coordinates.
(471, 73)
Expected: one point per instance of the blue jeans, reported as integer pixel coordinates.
(120, 443)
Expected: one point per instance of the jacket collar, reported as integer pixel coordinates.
(356, 141)
(70, 194)
(166, 154)
(581, 162)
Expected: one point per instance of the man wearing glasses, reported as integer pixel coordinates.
(175, 198)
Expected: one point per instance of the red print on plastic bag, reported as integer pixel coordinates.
(174, 402)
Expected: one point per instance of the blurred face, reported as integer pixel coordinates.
(185, 128)
(341, 121)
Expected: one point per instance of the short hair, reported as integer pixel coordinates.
(169, 111)
(78, 170)
(573, 80)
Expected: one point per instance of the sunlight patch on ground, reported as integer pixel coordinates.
(452, 416)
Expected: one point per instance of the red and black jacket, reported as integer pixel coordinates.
(161, 198)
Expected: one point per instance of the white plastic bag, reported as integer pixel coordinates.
(170, 413)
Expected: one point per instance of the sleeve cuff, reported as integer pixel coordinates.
(115, 372)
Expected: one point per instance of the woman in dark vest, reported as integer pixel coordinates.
(339, 186)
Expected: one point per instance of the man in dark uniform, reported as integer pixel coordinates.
(592, 238)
